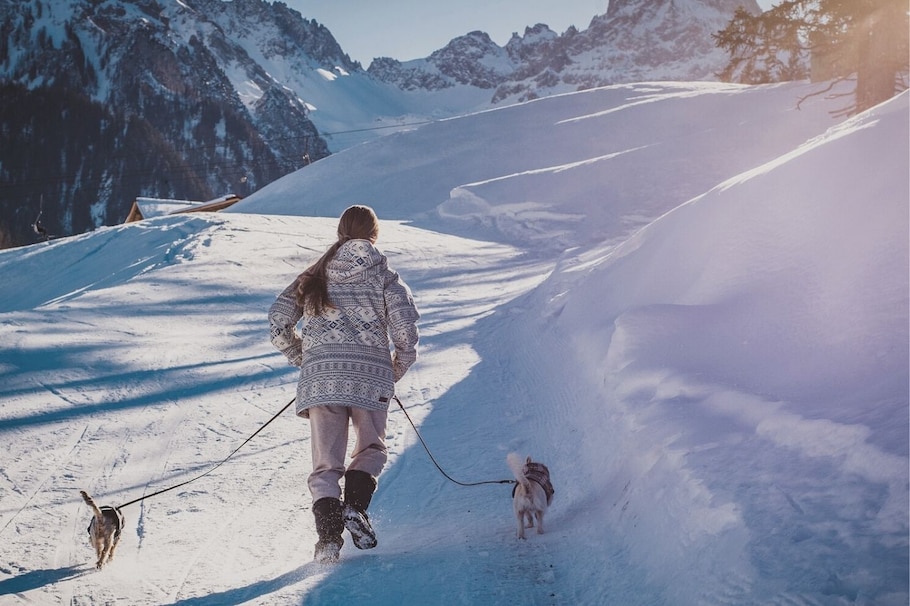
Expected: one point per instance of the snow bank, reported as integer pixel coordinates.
(750, 351)
(562, 171)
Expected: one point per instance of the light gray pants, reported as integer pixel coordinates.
(329, 440)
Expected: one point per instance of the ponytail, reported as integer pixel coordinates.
(313, 284)
(356, 223)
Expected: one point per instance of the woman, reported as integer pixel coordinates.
(350, 305)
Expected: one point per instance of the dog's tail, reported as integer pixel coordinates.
(517, 466)
(91, 503)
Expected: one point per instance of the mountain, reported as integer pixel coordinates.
(636, 40)
(107, 100)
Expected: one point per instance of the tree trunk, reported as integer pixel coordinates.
(881, 54)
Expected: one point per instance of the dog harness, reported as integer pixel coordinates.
(538, 472)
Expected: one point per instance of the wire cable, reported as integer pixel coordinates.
(222, 462)
(432, 458)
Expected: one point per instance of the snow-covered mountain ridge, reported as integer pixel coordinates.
(635, 40)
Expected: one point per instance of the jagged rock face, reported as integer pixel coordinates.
(634, 40)
(670, 36)
(638, 9)
(537, 45)
(408, 77)
(156, 76)
(472, 60)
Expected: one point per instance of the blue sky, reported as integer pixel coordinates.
(412, 29)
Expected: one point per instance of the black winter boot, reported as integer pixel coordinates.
(329, 526)
(358, 492)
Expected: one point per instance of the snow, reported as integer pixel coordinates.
(155, 207)
(689, 300)
(326, 74)
(247, 90)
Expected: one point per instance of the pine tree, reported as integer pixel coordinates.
(836, 39)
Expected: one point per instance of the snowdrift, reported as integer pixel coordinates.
(562, 171)
(689, 301)
(750, 349)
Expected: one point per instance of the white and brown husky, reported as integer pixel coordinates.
(104, 530)
(532, 494)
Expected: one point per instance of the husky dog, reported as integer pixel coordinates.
(532, 494)
(104, 529)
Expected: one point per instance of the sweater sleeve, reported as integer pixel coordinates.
(402, 317)
(283, 317)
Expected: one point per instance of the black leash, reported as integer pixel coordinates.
(432, 458)
(223, 461)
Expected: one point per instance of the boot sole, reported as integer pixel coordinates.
(360, 529)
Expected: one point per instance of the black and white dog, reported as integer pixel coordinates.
(532, 494)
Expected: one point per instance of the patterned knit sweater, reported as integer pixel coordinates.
(344, 354)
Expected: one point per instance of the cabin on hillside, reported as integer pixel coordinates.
(146, 208)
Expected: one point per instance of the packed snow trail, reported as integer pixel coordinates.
(166, 371)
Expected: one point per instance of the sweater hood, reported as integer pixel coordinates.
(356, 260)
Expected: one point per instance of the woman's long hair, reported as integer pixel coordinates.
(356, 223)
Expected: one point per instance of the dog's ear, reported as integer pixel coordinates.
(528, 462)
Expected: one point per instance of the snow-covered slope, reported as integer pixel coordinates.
(561, 171)
(721, 394)
(751, 349)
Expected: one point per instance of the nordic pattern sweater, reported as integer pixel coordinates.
(344, 354)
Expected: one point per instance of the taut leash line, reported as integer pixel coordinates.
(223, 461)
(432, 458)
